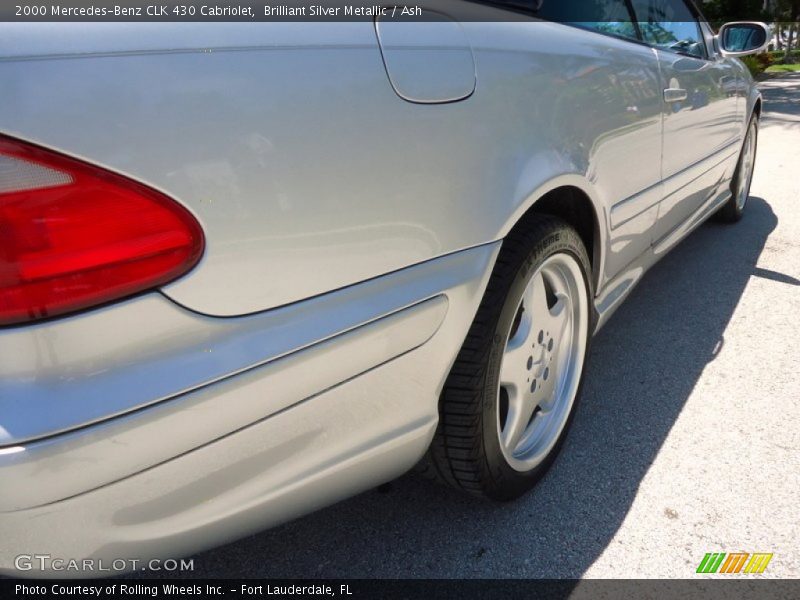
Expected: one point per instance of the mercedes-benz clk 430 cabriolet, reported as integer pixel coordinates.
(247, 270)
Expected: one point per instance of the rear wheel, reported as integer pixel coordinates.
(510, 397)
(733, 210)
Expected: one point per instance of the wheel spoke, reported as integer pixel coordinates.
(520, 410)
(559, 317)
(535, 300)
(546, 394)
(513, 365)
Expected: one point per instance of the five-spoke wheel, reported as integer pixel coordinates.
(733, 210)
(542, 361)
(510, 397)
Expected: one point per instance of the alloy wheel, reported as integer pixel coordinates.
(747, 167)
(542, 363)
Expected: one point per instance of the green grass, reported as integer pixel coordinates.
(783, 68)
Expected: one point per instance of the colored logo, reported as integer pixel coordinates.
(734, 562)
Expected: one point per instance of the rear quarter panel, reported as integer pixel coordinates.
(305, 168)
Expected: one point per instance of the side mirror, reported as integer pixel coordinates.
(741, 39)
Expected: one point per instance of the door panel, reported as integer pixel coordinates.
(699, 132)
(619, 121)
(700, 120)
(703, 123)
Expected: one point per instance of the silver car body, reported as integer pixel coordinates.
(354, 184)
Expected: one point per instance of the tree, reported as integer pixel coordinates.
(722, 11)
(786, 14)
(794, 15)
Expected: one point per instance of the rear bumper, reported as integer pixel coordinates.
(293, 432)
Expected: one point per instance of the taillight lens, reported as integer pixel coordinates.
(73, 235)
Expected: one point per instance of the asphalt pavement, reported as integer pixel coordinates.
(687, 440)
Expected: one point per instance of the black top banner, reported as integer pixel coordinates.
(566, 11)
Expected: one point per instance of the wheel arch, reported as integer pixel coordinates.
(571, 199)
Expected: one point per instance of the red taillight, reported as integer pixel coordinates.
(73, 235)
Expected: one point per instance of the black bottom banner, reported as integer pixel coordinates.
(355, 589)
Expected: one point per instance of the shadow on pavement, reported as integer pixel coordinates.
(780, 96)
(643, 368)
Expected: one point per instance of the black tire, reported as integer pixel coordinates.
(466, 452)
(732, 211)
